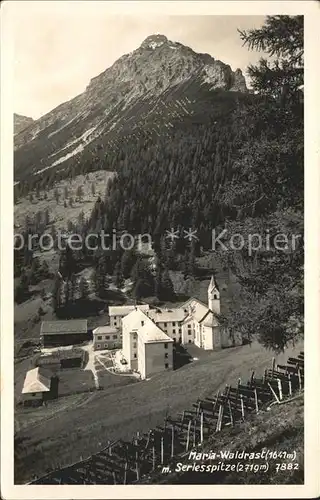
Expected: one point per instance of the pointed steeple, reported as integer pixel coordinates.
(213, 296)
(213, 285)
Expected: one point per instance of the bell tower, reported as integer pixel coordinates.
(214, 296)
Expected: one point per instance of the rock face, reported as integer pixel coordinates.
(120, 100)
(21, 122)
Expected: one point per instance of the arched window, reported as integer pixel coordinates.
(215, 296)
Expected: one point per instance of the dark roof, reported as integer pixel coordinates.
(64, 327)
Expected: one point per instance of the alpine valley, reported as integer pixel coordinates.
(173, 145)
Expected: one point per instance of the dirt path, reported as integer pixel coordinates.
(91, 363)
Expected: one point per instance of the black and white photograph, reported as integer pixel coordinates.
(158, 261)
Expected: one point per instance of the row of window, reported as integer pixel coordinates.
(107, 337)
(173, 323)
(174, 330)
(105, 346)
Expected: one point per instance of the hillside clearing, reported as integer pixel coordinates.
(59, 214)
(118, 412)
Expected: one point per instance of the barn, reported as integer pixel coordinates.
(62, 333)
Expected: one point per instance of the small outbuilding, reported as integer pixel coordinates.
(62, 333)
(36, 387)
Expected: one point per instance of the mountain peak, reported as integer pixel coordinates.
(154, 41)
(21, 122)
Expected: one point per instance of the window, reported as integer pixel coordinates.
(135, 355)
(99, 337)
(98, 346)
(185, 310)
(115, 322)
(142, 323)
(189, 333)
(105, 345)
(107, 337)
(166, 346)
(166, 355)
(189, 341)
(180, 330)
(114, 336)
(166, 365)
(164, 324)
(189, 327)
(173, 330)
(135, 345)
(173, 323)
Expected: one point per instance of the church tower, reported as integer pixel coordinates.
(214, 296)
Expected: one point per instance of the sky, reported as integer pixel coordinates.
(59, 47)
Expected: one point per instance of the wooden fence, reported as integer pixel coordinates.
(129, 462)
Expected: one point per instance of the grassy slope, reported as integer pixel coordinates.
(59, 214)
(118, 412)
(280, 429)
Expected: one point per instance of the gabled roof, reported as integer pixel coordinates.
(209, 319)
(35, 382)
(199, 312)
(213, 285)
(196, 309)
(64, 327)
(134, 319)
(185, 305)
(145, 328)
(168, 315)
(150, 332)
(124, 310)
(104, 330)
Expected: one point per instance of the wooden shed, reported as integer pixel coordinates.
(36, 387)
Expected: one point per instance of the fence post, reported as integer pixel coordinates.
(273, 366)
(290, 384)
(201, 427)
(188, 435)
(256, 399)
(194, 431)
(153, 458)
(172, 441)
(125, 473)
(148, 440)
(242, 406)
(137, 467)
(219, 421)
(230, 413)
(299, 378)
(280, 388)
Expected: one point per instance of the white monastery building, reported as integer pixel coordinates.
(146, 347)
(106, 337)
(148, 334)
(116, 313)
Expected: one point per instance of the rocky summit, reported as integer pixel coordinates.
(138, 88)
(21, 122)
